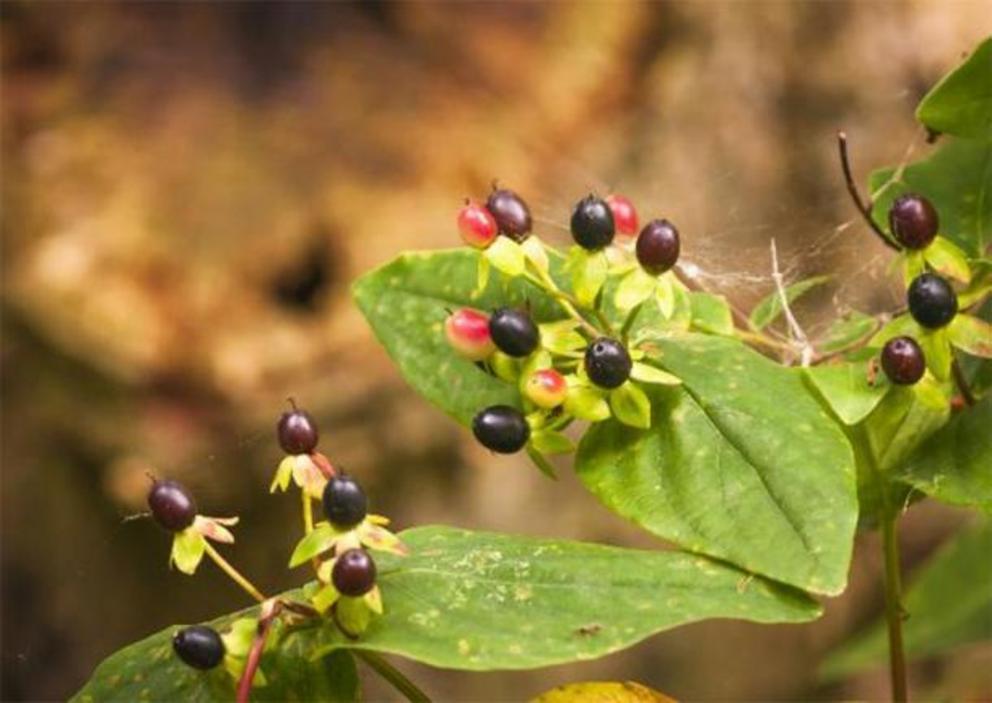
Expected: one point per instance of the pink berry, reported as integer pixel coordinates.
(546, 388)
(477, 225)
(624, 214)
(467, 331)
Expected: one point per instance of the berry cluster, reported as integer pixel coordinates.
(337, 547)
(574, 368)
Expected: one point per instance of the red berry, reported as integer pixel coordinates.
(467, 331)
(477, 225)
(297, 432)
(624, 214)
(546, 388)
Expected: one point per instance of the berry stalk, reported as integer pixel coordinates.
(254, 657)
(235, 575)
(893, 608)
(570, 304)
(863, 207)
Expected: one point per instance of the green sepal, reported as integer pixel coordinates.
(589, 270)
(535, 253)
(633, 289)
(506, 256)
(664, 295)
(505, 366)
(948, 259)
(560, 337)
(284, 474)
(320, 539)
(188, 547)
(972, 335)
(913, 264)
(542, 463)
(551, 442)
(325, 597)
(586, 403)
(482, 276)
(353, 615)
(631, 405)
(645, 373)
(937, 351)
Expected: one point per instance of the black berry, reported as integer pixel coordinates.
(607, 363)
(511, 214)
(172, 506)
(932, 301)
(501, 428)
(913, 221)
(345, 504)
(903, 361)
(513, 332)
(592, 223)
(658, 246)
(199, 646)
(354, 573)
(297, 432)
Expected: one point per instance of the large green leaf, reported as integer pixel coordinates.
(406, 303)
(961, 103)
(955, 464)
(478, 601)
(957, 178)
(741, 463)
(949, 603)
(846, 389)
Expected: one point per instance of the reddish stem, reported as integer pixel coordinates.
(864, 207)
(254, 658)
(324, 464)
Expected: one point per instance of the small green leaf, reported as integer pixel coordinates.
(560, 337)
(506, 256)
(188, 547)
(955, 464)
(586, 403)
(711, 313)
(352, 614)
(551, 442)
(949, 604)
(947, 258)
(936, 348)
(325, 597)
(542, 463)
(961, 103)
(847, 332)
(589, 270)
(317, 542)
(664, 295)
(645, 373)
(770, 307)
(902, 325)
(906, 416)
(631, 406)
(633, 289)
(482, 276)
(535, 253)
(971, 335)
(846, 389)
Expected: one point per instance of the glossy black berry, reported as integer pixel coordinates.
(932, 301)
(172, 505)
(345, 504)
(607, 363)
(199, 646)
(501, 428)
(511, 214)
(903, 361)
(913, 221)
(658, 246)
(354, 573)
(297, 432)
(513, 332)
(592, 223)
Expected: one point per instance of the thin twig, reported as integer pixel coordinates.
(270, 610)
(962, 383)
(806, 351)
(233, 573)
(393, 675)
(864, 207)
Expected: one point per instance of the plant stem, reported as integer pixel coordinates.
(863, 207)
(393, 675)
(962, 382)
(893, 606)
(233, 573)
(307, 512)
(254, 657)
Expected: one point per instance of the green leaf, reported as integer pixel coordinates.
(770, 307)
(961, 103)
(955, 464)
(645, 373)
(847, 332)
(846, 389)
(318, 541)
(947, 258)
(506, 256)
(972, 335)
(957, 178)
(711, 313)
(631, 406)
(740, 463)
(483, 601)
(949, 603)
(406, 303)
(904, 419)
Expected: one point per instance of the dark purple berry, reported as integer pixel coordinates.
(345, 504)
(913, 221)
(513, 332)
(501, 428)
(511, 214)
(903, 361)
(172, 506)
(658, 246)
(607, 363)
(199, 646)
(592, 223)
(354, 573)
(297, 432)
(932, 301)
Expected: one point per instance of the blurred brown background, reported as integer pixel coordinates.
(188, 190)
